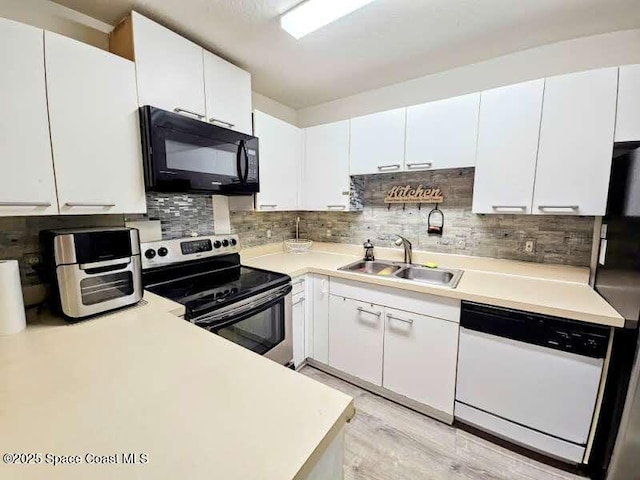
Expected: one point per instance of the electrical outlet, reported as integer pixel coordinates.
(269, 233)
(328, 232)
(530, 246)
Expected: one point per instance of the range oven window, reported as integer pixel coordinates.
(259, 330)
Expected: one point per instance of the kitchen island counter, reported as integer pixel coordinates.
(143, 381)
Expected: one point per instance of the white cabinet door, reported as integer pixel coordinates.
(169, 68)
(628, 116)
(508, 148)
(356, 335)
(281, 153)
(377, 142)
(94, 129)
(227, 93)
(420, 356)
(299, 305)
(27, 185)
(443, 134)
(320, 317)
(326, 182)
(576, 143)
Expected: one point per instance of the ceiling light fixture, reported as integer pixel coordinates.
(314, 14)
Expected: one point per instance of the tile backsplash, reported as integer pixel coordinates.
(557, 239)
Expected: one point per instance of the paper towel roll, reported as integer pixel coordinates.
(12, 315)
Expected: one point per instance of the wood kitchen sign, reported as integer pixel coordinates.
(409, 194)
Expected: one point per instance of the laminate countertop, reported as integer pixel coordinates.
(556, 290)
(144, 381)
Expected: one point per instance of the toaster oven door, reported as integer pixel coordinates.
(90, 289)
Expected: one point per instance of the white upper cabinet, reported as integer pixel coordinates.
(169, 68)
(443, 134)
(576, 143)
(227, 93)
(27, 185)
(94, 129)
(326, 182)
(377, 142)
(281, 154)
(628, 117)
(508, 148)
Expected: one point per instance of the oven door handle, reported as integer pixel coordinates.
(219, 318)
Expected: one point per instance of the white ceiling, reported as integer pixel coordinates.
(385, 42)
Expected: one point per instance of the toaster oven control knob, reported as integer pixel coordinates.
(234, 242)
(225, 243)
(162, 251)
(217, 244)
(150, 253)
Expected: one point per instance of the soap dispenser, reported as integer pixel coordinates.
(368, 251)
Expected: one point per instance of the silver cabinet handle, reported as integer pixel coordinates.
(400, 319)
(217, 120)
(338, 207)
(559, 207)
(395, 166)
(300, 300)
(509, 207)
(25, 204)
(370, 312)
(188, 112)
(298, 282)
(415, 166)
(89, 204)
(267, 206)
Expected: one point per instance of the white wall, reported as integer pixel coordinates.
(275, 109)
(585, 53)
(56, 18)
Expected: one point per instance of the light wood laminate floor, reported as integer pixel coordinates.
(386, 441)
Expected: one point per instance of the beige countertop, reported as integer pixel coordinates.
(548, 289)
(145, 381)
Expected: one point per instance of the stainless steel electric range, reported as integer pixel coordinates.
(248, 306)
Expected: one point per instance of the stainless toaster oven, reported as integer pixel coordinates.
(93, 270)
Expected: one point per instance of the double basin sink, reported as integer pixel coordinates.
(415, 273)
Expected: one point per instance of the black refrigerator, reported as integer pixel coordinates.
(616, 450)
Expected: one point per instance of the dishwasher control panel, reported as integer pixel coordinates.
(546, 331)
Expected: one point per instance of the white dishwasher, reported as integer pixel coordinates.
(530, 379)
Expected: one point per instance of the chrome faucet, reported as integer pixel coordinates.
(408, 249)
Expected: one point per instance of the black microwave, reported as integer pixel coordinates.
(182, 154)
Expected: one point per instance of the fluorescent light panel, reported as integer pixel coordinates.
(314, 14)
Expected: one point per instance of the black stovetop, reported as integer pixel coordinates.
(207, 285)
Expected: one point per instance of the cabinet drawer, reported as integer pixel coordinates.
(298, 284)
(423, 303)
(420, 356)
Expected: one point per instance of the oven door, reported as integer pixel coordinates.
(183, 154)
(262, 324)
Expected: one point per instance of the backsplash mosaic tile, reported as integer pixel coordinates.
(181, 215)
(557, 239)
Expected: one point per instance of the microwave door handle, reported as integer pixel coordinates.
(242, 174)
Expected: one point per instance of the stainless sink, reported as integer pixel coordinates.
(433, 276)
(372, 268)
(413, 273)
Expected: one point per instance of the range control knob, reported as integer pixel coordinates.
(162, 251)
(234, 242)
(150, 253)
(225, 243)
(217, 244)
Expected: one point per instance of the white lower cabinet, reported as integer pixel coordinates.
(356, 335)
(318, 349)
(298, 314)
(420, 355)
